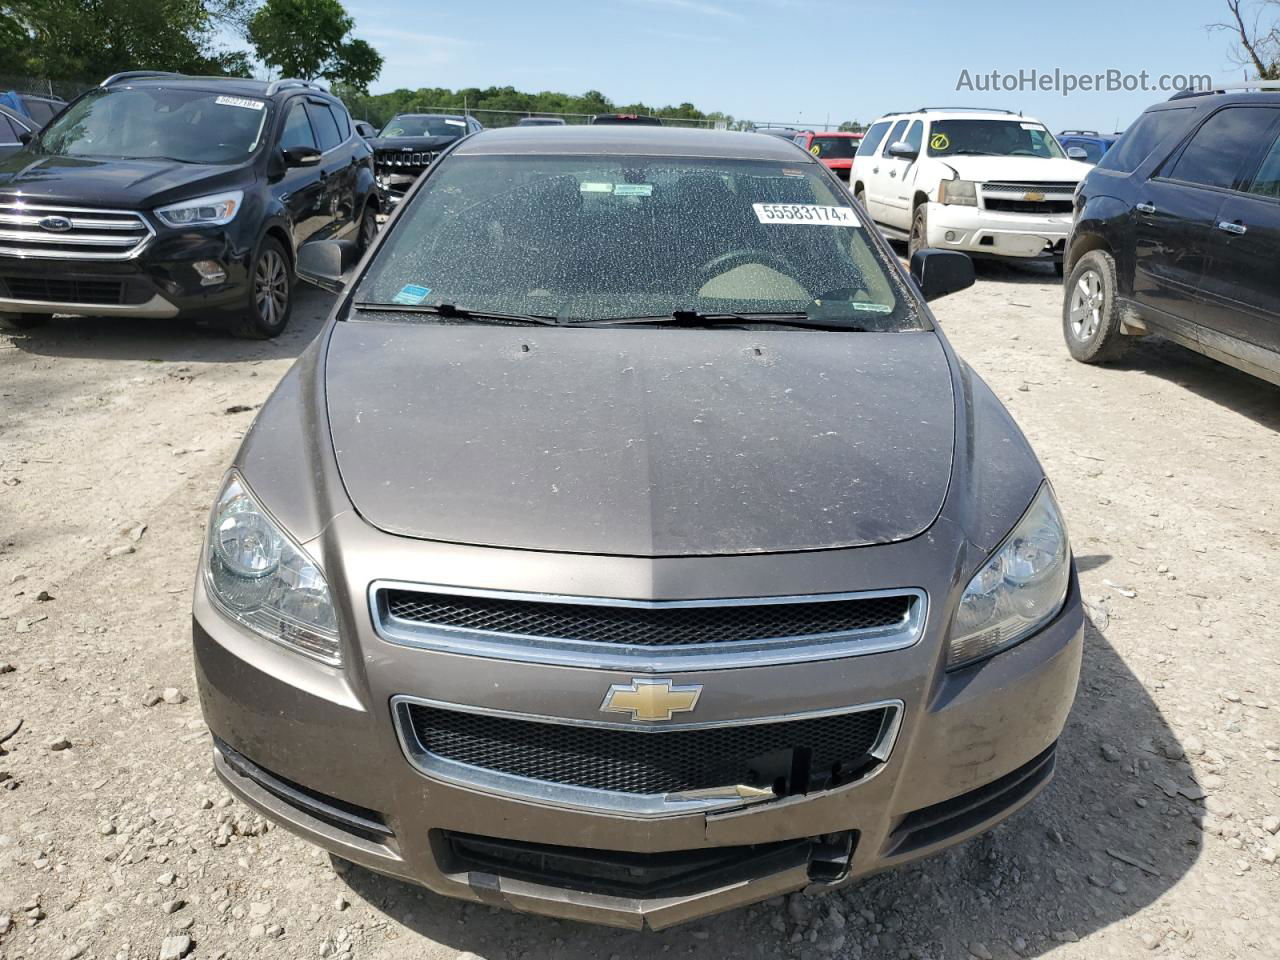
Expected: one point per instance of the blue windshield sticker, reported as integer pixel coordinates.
(632, 189)
(411, 294)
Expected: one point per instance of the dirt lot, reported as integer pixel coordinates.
(1158, 837)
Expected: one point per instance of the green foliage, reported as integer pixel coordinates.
(89, 39)
(379, 108)
(312, 39)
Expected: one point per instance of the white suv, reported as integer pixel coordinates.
(987, 182)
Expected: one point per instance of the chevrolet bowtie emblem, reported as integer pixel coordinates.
(650, 699)
(1033, 197)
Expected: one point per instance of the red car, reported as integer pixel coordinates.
(836, 150)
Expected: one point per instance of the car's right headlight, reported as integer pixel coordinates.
(262, 579)
(1020, 588)
(962, 192)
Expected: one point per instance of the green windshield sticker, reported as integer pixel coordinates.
(871, 307)
(588, 187)
(411, 294)
(632, 189)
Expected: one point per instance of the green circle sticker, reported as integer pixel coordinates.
(939, 141)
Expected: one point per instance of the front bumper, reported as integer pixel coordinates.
(981, 232)
(159, 282)
(972, 746)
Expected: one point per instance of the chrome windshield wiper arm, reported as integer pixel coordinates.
(450, 311)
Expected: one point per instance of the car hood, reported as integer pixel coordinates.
(126, 184)
(641, 442)
(411, 144)
(1016, 168)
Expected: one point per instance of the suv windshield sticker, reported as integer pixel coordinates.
(1031, 126)
(806, 213)
(456, 123)
(589, 187)
(411, 294)
(632, 189)
(240, 102)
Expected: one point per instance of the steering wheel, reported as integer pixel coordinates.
(737, 258)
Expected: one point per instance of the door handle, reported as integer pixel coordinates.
(875, 169)
(893, 173)
(1145, 207)
(1235, 229)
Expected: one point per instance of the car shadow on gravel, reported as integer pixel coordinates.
(1218, 382)
(136, 338)
(1113, 832)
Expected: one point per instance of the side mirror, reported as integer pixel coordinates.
(322, 263)
(300, 156)
(1077, 153)
(25, 137)
(903, 151)
(941, 272)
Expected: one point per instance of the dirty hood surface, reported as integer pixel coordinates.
(641, 442)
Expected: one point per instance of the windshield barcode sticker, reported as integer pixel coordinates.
(806, 213)
(240, 102)
(411, 294)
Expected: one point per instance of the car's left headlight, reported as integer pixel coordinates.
(211, 211)
(1020, 588)
(260, 577)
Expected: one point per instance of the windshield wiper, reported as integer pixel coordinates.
(692, 318)
(450, 312)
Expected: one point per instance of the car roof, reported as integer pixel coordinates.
(442, 116)
(264, 89)
(834, 133)
(1265, 97)
(635, 140)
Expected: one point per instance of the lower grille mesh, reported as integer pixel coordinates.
(647, 626)
(792, 756)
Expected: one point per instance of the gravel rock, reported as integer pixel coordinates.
(1271, 824)
(173, 695)
(59, 743)
(175, 948)
(980, 951)
(1110, 752)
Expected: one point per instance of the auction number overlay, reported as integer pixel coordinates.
(806, 213)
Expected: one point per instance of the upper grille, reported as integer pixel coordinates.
(648, 626)
(70, 233)
(57, 290)
(790, 756)
(401, 160)
(1047, 187)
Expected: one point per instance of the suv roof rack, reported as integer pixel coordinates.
(1262, 85)
(966, 109)
(277, 85)
(1079, 133)
(136, 75)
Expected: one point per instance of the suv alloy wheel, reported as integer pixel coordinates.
(1090, 317)
(270, 294)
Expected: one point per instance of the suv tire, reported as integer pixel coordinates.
(270, 300)
(918, 239)
(368, 229)
(1090, 315)
(23, 321)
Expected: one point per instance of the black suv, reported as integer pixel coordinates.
(1176, 232)
(410, 142)
(164, 195)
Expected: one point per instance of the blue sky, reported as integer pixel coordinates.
(805, 60)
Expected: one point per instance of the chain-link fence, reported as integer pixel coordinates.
(44, 86)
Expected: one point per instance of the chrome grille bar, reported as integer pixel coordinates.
(81, 233)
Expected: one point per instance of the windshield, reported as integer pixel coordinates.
(834, 148)
(591, 238)
(191, 126)
(993, 138)
(424, 127)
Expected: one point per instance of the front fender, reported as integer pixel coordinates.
(1098, 225)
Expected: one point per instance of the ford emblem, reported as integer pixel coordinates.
(55, 224)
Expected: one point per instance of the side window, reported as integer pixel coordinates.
(297, 130)
(1219, 152)
(41, 112)
(1140, 140)
(915, 136)
(873, 138)
(895, 136)
(344, 121)
(9, 131)
(1266, 183)
(325, 126)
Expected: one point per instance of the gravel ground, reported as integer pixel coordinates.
(1158, 837)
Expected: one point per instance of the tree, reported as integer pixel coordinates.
(89, 39)
(1257, 46)
(312, 39)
